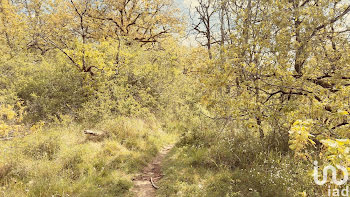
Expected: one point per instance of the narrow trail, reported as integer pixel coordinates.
(143, 185)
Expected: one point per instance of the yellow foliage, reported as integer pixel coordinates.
(37, 127)
(300, 136)
(10, 120)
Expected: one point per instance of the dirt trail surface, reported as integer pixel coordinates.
(143, 185)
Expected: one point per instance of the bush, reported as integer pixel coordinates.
(50, 89)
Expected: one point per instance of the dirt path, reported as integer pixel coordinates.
(143, 186)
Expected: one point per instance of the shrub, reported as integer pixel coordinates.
(49, 89)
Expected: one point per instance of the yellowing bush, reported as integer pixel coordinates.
(11, 120)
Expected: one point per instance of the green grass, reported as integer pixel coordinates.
(60, 161)
(192, 171)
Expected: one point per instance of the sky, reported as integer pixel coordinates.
(189, 3)
(184, 6)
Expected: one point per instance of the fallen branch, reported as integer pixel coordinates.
(93, 133)
(156, 187)
(6, 138)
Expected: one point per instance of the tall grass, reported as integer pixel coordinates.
(61, 161)
(232, 164)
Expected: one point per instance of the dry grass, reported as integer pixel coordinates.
(59, 161)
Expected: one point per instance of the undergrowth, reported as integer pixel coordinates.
(60, 160)
(198, 171)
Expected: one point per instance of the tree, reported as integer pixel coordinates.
(11, 30)
(76, 28)
(284, 54)
(143, 21)
(203, 25)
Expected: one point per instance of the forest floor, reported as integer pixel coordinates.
(146, 182)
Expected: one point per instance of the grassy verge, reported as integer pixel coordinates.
(191, 171)
(61, 161)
